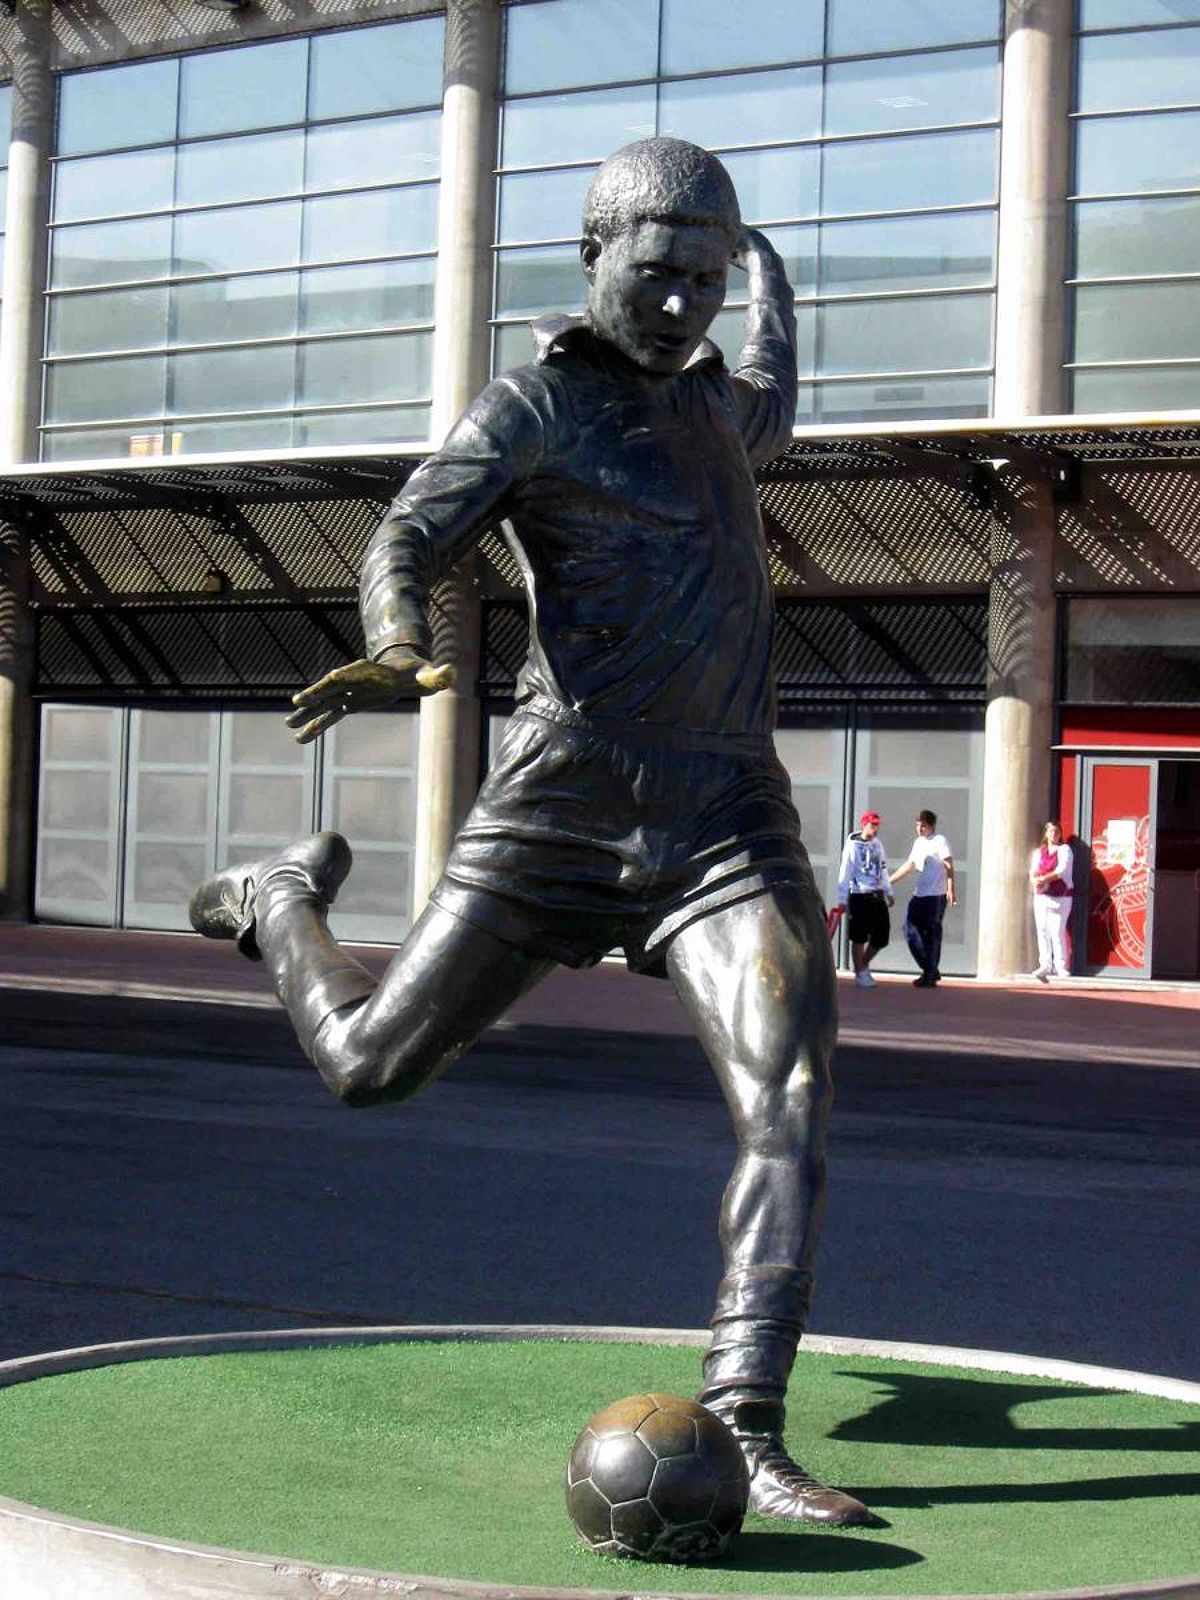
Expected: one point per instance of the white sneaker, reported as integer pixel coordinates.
(1042, 974)
(864, 980)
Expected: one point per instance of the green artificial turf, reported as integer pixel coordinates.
(448, 1459)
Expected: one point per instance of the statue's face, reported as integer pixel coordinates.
(654, 290)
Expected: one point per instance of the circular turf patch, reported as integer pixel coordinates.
(448, 1460)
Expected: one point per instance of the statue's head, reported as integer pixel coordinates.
(660, 224)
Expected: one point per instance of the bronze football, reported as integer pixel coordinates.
(657, 1478)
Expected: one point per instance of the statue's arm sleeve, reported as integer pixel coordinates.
(442, 511)
(764, 380)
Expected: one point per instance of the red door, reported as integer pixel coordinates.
(1119, 805)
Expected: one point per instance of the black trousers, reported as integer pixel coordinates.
(923, 931)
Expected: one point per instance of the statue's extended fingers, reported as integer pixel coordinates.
(314, 729)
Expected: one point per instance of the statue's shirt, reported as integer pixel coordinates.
(632, 511)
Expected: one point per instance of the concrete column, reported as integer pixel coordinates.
(448, 748)
(1019, 725)
(1030, 349)
(20, 400)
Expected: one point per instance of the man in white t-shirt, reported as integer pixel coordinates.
(933, 862)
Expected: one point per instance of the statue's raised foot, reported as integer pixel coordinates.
(223, 906)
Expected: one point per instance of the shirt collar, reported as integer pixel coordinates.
(557, 331)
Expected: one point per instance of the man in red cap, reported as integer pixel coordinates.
(865, 890)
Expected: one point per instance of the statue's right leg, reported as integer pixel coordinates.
(370, 1042)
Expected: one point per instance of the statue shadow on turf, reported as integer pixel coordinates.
(798, 1551)
(963, 1413)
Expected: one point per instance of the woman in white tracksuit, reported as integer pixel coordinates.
(1050, 877)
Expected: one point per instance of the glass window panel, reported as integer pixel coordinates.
(912, 335)
(83, 391)
(100, 186)
(266, 804)
(798, 249)
(237, 240)
(577, 127)
(3, 196)
(1115, 155)
(251, 167)
(399, 425)
(262, 739)
(543, 205)
(529, 282)
(1131, 13)
(1119, 238)
(174, 738)
(172, 803)
(347, 155)
(73, 733)
(90, 444)
(167, 874)
(751, 108)
(260, 307)
(233, 380)
(390, 367)
(379, 739)
(774, 184)
(1120, 71)
(1133, 649)
(76, 800)
(252, 86)
(114, 319)
(864, 27)
(235, 433)
(74, 871)
(376, 69)
(5, 119)
(381, 886)
(377, 294)
(374, 808)
(912, 91)
(562, 44)
(117, 106)
(697, 35)
(1137, 389)
(729, 327)
(914, 397)
(512, 346)
(381, 222)
(939, 249)
(929, 169)
(110, 252)
(1137, 321)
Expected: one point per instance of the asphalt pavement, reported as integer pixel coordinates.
(1011, 1168)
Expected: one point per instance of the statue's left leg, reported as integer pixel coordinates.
(757, 981)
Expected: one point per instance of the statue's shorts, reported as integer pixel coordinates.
(588, 837)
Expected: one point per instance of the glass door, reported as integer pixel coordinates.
(1119, 807)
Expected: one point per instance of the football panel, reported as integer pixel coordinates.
(697, 1541)
(622, 1468)
(589, 1511)
(683, 1489)
(729, 1507)
(623, 1416)
(669, 1432)
(583, 1453)
(637, 1526)
(718, 1445)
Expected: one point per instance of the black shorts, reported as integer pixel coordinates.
(870, 922)
(583, 838)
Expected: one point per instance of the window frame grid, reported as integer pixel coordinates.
(816, 298)
(170, 420)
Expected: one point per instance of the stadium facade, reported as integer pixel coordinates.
(258, 256)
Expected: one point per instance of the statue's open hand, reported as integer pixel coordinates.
(363, 686)
(750, 248)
